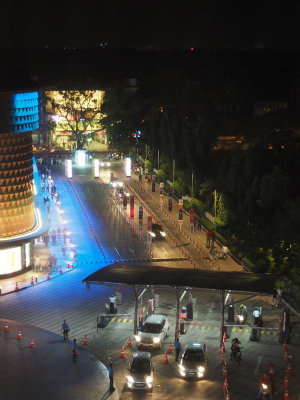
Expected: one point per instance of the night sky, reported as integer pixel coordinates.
(204, 24)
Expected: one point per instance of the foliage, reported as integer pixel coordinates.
(76, 111)
(122, 119)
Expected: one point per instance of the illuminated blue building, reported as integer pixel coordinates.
(20, 220)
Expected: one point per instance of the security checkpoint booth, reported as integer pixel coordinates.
(182, 282)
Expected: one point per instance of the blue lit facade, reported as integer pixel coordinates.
(19, 116)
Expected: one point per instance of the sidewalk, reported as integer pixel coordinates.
(47, 371)
(45, 254)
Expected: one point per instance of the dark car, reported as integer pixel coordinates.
(193, 361)
(140, 371)
(157, 231)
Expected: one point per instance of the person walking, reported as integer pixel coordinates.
(74, 350)
(256, 315)
(65, 330)
(177, 346)
(111, 378)
(63, 247)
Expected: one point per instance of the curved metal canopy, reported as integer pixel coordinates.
(130, 274)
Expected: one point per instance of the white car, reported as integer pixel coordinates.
(153, 332)
(116, 183)
(104, 164)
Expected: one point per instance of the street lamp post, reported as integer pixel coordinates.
(173, 171)
(192, 184)
(157, 159)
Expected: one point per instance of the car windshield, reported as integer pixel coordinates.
(141, 365)
(193, 355)
(151, 328)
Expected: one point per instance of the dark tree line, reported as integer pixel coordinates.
(257, 192)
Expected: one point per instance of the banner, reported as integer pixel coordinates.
(180, 218)
(140, 212)
(170, 204)
(149, 228)
(161, 188)
(131, 207)
(124, 201)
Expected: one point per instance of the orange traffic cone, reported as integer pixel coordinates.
(225, 372)
(223, 348)
(129, 342)
(286, 395)
(170, 348)
(60, 270)
(227, 396)
(48, 276)
(285, 358)
(284, 345)
(5, 327)
(16, 287)
(286, 381)
(85, 342)
(225, 386)
(32, 281)
(71, 265)
(224, 337)
(165, 359)
(122, 355)
(19, 334)
(32, 345)
(222, 359)
(280, 321)
(120, 287)
(289, 369)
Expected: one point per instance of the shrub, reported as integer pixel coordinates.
(187, 205)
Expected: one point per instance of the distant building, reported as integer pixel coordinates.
(265, 107)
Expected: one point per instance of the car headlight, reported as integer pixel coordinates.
(102, 164)
(108, 164)
(137, 338)
(264, 386)
(163, 233)
(156, 340)
(201, 369)
(149, 379)
(130, 379)
(152, 234)
(120, 183)
(181, 367)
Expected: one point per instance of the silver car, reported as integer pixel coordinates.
(153, 331)
(140, 371)
(193, 361)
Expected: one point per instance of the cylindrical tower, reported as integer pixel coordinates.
(18, 117)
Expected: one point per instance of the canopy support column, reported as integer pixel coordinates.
(222, 317)
(177, 314)
(136, 299)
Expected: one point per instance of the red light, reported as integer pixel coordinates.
(192, 48)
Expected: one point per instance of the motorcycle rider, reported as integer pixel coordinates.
(265, 384)
(243, 313)
(235, 348)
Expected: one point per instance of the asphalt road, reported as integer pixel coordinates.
(65, 297)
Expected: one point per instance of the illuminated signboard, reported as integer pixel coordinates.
(10, 260)
(128, 166)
